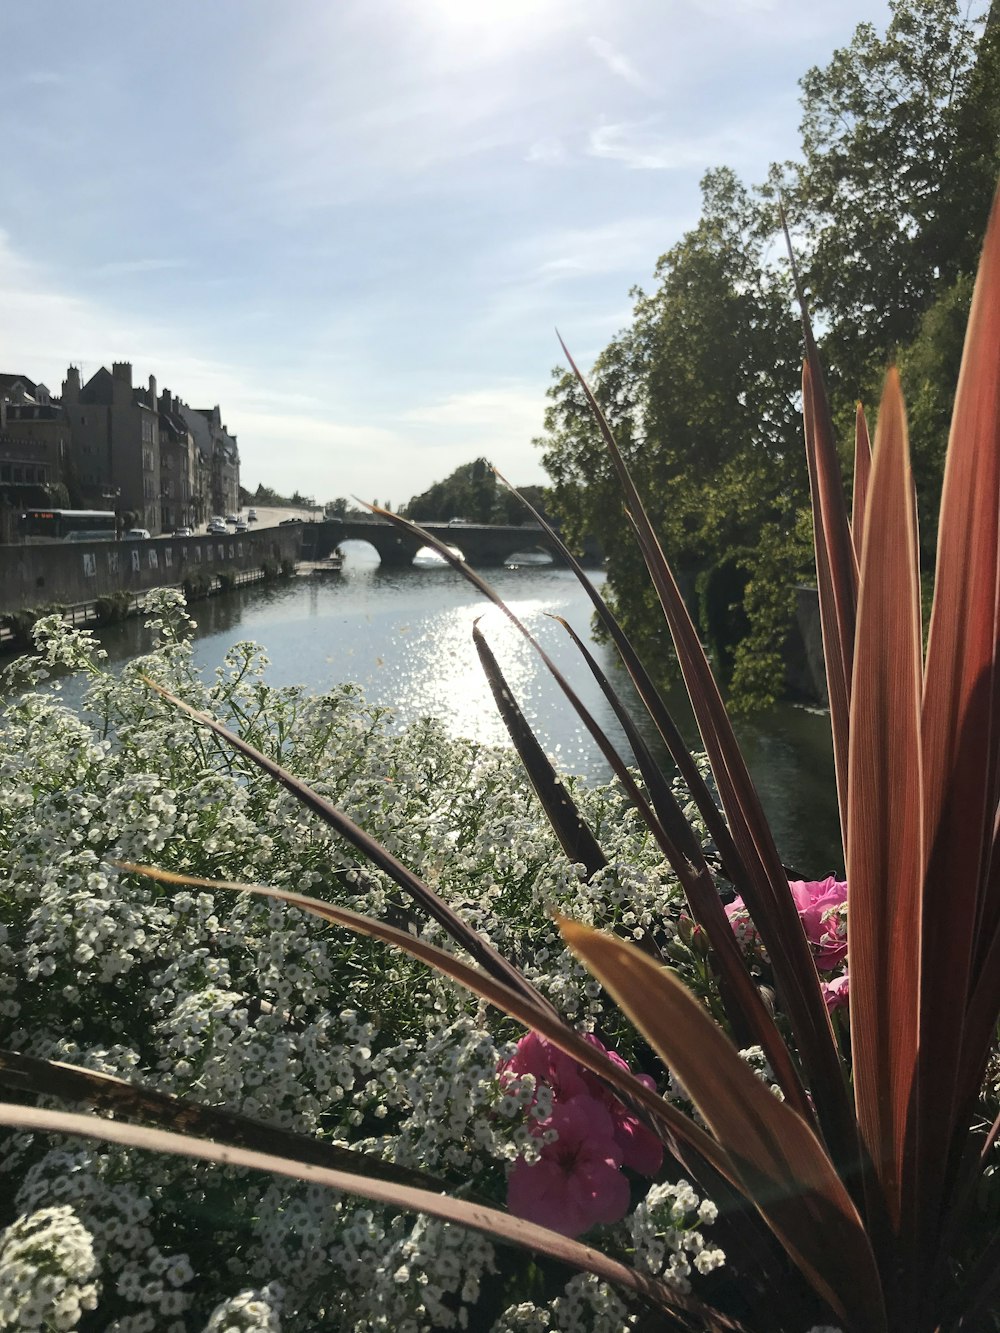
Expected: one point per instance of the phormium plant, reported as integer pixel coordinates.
(854, 1197)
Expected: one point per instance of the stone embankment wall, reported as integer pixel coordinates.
(68, 573)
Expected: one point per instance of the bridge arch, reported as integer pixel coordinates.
(483, 545)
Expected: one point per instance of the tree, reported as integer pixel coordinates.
(900, 156)
(470, 492)
(901, 151)
(701, 394)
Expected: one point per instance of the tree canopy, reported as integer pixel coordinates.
(900, 155)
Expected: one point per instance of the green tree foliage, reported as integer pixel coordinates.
(900, 156)
(472, 493)
(701, 393)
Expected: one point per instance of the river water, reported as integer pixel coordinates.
(405, 635)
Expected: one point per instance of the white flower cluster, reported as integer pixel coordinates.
(525, 1317)
(246, 1004)
(47, 1267)
(666, 1235)
(249, 1312)
(588, 1303)
(758, 1062)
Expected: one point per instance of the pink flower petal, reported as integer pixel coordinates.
(577, 1183)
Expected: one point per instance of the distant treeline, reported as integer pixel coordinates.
(473, 493)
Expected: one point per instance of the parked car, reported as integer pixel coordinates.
(241, 525)
(231, 518)
(137, 535)
(251, 516)
(217, 526)
(183, 532)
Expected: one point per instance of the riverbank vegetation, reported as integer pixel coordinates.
(900, 152)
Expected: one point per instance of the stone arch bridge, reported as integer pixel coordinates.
(482, 544)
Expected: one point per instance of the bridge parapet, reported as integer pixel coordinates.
(482, 544)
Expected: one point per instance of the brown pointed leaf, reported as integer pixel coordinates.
(614, 759)
(862, 471)
(782, 1167)
(836, 561)
(574, 834)
(961, 718)
(885, 852)
(745, 1009)
(489, 1221)
(27, 1075)
(652, 700)
(836, 575)
(765, 888)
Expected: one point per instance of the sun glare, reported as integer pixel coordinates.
(495, 28)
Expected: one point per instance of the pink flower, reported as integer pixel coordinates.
(818, 901)
(576, 1183)
(743, 928)
(641, 1150)
(837, 992)
(536, 1055)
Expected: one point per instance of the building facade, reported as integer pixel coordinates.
(183, 504)
(219, 450)
(115, 431)
(110, 444)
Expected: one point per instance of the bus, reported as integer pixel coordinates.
(73, 525)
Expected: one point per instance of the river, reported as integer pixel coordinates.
(405, 635)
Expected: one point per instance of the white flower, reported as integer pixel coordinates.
(46, 1269)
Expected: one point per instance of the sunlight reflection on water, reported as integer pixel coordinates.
(405, 636)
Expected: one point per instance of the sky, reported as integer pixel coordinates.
(356, 224)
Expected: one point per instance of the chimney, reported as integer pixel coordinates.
(121, 383)
(71, 385)
(152, 392)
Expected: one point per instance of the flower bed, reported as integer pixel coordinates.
(257, 1007)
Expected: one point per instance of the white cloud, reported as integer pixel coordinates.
(638, 146)
(118, 268)
(496, 421)
(41, 78)
(548, 151)
(618, 63)
(652, 144)
(292, 432)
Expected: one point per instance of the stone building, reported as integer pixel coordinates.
(34, 451)
(36, 448)
(182, 487)
(219, 449)
(115, 431)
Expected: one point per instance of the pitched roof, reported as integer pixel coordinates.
(10, 381)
